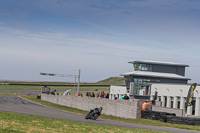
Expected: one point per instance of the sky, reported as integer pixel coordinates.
(99, 37)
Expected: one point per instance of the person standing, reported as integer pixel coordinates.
(93, 95)
(87, 94)
(144, 105)
(126, 97)
(107, 95)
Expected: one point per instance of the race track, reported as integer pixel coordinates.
(19, 105)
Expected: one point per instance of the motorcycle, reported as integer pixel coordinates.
(94, 113)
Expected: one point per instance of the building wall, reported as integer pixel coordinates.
(120, 108)
(117, 89)
(180, 90)
(176, 93)
(173, 89)
(172, 98)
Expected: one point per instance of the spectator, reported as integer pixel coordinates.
(107, 95)
(53, 92)
(98, 94)
(102, 94)
(122, 96)
(115, 97)
(87, 94)
(126, 97)
(93, 95)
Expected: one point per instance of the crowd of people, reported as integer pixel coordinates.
(125, 97)
(98, 95)
(102, 94)
(54, 92)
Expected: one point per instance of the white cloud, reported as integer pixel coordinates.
(60, 52)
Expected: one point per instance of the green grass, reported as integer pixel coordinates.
(7, 94)
(112, 81)
(19, 123)
(108, 81)
(138, 121)
(22, 87)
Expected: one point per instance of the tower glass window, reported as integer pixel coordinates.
(142, 67)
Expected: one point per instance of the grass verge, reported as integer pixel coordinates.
(7, 94)
(138, 121)
(19, 123)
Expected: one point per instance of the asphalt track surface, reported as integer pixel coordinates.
(19, 105)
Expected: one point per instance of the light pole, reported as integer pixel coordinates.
(66, 75)
(79, 72)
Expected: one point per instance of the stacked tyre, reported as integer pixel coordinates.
(169, 118)
(163, 118)
(158, 115)
(146, 114)
(154, 115)
(193, 121)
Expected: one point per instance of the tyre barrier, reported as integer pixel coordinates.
(169, 118)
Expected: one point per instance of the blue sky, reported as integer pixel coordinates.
(99, 37)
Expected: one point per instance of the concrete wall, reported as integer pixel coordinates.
(120, 108)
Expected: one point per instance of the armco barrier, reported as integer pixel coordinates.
(120, 108)
(169, 118)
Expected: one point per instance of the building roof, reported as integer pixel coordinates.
(159, 63)
(155, 74)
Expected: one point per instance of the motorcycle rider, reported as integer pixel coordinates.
(94, 113)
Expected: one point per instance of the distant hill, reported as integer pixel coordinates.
(112, 81)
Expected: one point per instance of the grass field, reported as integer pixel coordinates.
(19, 123)
(22, 87)
(138, 121)
(113, 81)
(108, 81)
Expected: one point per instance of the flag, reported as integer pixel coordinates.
(190, 95)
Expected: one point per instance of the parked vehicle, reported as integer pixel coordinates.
(45, 89)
